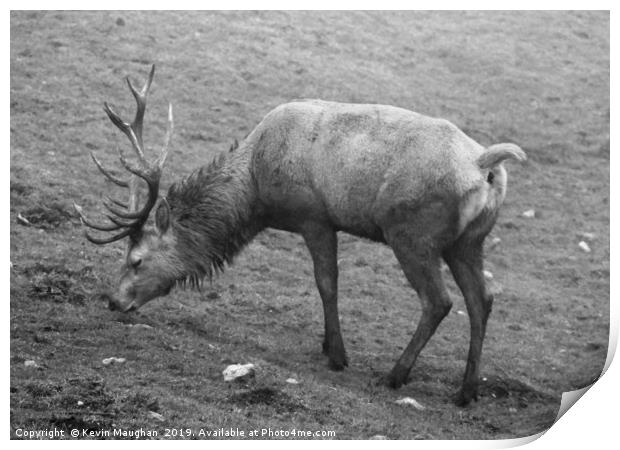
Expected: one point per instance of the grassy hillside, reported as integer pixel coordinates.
(539, 79)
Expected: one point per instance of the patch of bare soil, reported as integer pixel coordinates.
(48, 282)
(83, 404)
(46, 217)
(279, 401)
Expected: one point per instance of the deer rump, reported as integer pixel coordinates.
(415, 183)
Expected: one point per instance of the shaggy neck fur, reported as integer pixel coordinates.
(213, 215)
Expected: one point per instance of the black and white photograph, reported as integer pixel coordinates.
(306, 225)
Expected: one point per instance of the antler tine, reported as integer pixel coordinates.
(142, 172)
(108, 174)
(142, 214)
(117, 212)
(140, 97)
(116, 237)
(127, 129)
(117, 202)
(151, 176)
(120, 223)
(164, 151)
(95, 226)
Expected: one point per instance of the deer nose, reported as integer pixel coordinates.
(107, 295)
(115, 305)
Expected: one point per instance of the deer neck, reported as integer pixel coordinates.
(214, 214)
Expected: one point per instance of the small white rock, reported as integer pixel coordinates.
(461, 313)
(529, 214)
(587, 236)
(112, 360)
(584, 246)
(487, 275)
(156, 416)
(494, 243)
(239, 372)
(408, 401)
(31, 363)
(21, 219)
(292, 381)
(137, 326)
(512, 410)
(80, 403)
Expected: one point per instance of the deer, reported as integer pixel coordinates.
(315, 168)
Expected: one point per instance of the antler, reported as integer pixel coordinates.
(130, 218)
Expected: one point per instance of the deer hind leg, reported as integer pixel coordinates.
(465, 261)
(421, 264)
(322, 243)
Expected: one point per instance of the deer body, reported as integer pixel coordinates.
(356, 167)
(415, 183)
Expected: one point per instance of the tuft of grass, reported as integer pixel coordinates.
(279, 401)
(48, 216)
(57, 283)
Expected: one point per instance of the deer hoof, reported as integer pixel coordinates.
(396, 378)
(465, 396)
(338, 363)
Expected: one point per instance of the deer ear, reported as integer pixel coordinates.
(162, 216)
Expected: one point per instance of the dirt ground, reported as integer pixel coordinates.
(539, 79)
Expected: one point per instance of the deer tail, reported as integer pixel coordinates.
(496, 154)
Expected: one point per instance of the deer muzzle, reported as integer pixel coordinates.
(116, 305)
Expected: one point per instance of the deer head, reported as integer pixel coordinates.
(150, 268)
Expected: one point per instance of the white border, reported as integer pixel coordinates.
(591, 423)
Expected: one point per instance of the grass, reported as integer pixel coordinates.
(539, 79)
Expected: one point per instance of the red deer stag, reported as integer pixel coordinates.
(415, 183)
